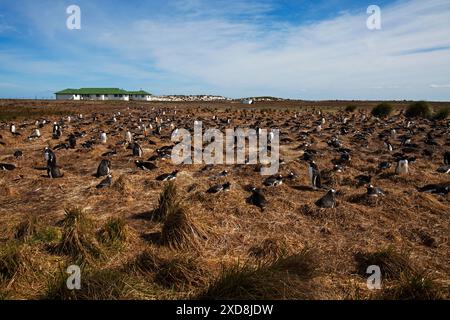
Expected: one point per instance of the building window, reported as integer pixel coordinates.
(115, 96)
(98, 96)
(142, 96)
(120, 96)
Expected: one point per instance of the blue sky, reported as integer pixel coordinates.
(311, 50)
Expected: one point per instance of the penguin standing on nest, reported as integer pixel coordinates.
(314, 175)
(56, 133)
(103, 137)
(137, 150)
(402, 166)
(49, 156)
(104, 168)
(13, 130)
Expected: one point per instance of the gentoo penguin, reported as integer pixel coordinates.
(18, 154)
(447, 158)
(402, 167)
(103, 137)
(258, 199)
(219, 187)
(443, 169)
(105, 182)
(104, 168)
(314, 175)
(145, 165)
(292, 175)
(128, 137)
(328, 200)
(12, 129)
(274, 180)
(374, 191)
(441, 188)
(54, 171)
(35, 134)
(388, 146)
(384, 165)
(363, 179)
(49, 156)
(167, 176)
(56, 132)
(7, 166)
(72, 141)
(137, 150)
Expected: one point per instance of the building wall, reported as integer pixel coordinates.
(139, 97)
(67, 97)
(124, 97)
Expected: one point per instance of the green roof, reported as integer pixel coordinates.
(99, 91)
(139, 92)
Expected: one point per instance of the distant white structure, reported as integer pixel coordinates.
(247, 101)
(102, 94)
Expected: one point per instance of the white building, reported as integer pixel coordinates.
(102, 94)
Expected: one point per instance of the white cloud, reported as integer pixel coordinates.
(210, 49)
(333, 58)
(439, 86)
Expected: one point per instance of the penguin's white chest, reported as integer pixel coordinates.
(402, 167)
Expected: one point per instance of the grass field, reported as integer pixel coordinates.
(146, 239)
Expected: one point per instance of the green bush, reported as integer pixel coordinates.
(350, 109)
(442, 114)
(382, 110)
(418, 109)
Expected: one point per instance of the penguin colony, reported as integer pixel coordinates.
(392, 164)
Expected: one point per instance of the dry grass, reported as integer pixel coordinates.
(114, 232)
(391, 263)
(167, 203)
(171, 269)
(205, 233)
(96, 285)
(180, 231)
(78, 238)
(285, 278)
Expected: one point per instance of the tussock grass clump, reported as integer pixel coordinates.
(115, 231)
(27, 229)
(271, 249)
(31, 230)
(12, 260)
(78, 238)
(391, 263)
(95, 285)
(285, 278)
(416, 285)
(418, 109)
(122, 185)
(442, 114)
(170, 268)
(168, 202)
(180, 230)
(350, 108)
(382, 110)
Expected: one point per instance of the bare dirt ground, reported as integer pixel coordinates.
(404, 220)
